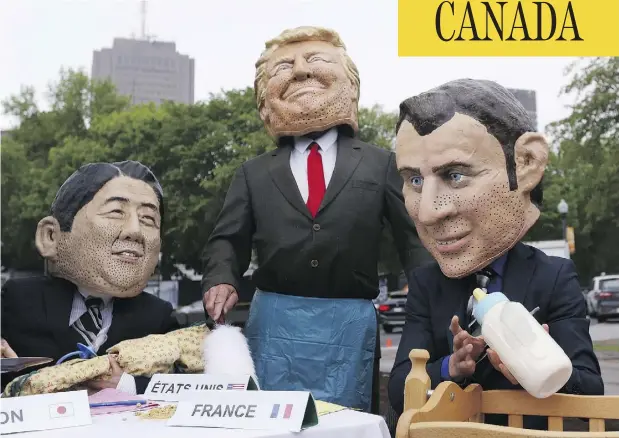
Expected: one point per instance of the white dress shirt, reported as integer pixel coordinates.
(78, 308)
(298, 159)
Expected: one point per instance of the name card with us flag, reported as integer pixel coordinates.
(254, 410)
(44, 412)
(178, 387)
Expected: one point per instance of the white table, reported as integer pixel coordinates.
(342, 424)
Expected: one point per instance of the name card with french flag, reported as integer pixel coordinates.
(254, 410)
(44, 412)
(178, 387)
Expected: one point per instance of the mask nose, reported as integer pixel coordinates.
(301, 70)
(131, 229)
(434, 206)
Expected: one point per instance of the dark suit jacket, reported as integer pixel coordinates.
(334, 255)
(531, 278)
(35, 320)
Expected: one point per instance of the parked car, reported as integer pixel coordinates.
(391, 311)
(603, 298)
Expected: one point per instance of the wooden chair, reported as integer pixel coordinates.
(450, 411)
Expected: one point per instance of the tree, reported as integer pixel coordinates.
(193, 149)
(588, 163)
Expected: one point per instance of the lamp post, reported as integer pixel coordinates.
(562, 208)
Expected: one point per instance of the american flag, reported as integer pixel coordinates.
(236, 386)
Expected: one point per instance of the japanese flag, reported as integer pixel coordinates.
(61, 410)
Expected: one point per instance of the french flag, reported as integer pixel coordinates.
(276, 411)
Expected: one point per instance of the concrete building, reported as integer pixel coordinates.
(528, 99)
(147, 71)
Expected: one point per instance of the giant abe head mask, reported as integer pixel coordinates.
(472, 164)
(103, 233)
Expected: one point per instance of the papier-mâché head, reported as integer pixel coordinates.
(306, 83)
(472, 164)
(103, 233)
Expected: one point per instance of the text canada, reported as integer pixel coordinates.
(505, 21)
(222, 411)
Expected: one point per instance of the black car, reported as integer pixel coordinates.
(391, 311)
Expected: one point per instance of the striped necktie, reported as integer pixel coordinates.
(90, 323)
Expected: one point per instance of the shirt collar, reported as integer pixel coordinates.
(106, 298)
(325, 141)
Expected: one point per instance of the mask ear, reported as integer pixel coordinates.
(46, 237)
(531, 153)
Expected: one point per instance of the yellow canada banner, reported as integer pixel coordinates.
(508, 28)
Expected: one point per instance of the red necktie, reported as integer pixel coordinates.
(315, 180)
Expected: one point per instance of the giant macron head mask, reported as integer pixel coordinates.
(472, 164)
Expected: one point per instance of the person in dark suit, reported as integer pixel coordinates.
(473, 164)
(101, 244)
(314, 209)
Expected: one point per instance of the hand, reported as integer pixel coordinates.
(218, 300)
(467, 349)
(7, 351)
(96, 385)
(496, 362)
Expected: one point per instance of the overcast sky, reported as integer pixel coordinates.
(225, 37)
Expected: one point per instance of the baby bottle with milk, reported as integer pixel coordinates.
(535, 360)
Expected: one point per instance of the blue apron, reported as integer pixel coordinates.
(322, 345)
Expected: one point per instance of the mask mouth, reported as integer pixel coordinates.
(128, 253)
(301, 88)
(451, 244)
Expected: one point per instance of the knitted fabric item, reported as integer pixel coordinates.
(179, 351)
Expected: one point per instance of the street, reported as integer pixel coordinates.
(609, 361)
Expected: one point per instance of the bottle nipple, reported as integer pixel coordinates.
(479, 294)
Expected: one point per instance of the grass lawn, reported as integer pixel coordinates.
(597, 347)
(610, 346)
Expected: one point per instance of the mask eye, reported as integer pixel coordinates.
(316, 58)
(282, 67)
(456, 177)
(416, 181)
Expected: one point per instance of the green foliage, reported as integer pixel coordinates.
(193, 149)
(588, 162)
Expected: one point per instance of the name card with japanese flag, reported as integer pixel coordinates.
(258, 410)
(177, 387)
(44, 412)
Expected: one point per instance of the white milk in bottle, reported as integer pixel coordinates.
(535, 360)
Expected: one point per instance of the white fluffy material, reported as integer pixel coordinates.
(226, 352)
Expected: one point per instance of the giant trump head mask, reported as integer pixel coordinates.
(305, 83)
(472, 164)
(103, 233)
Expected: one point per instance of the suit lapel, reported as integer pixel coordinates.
(348, 157)
(281, 174)
(58, 304)
(456, 293)
(118, 331)
(518, 273)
